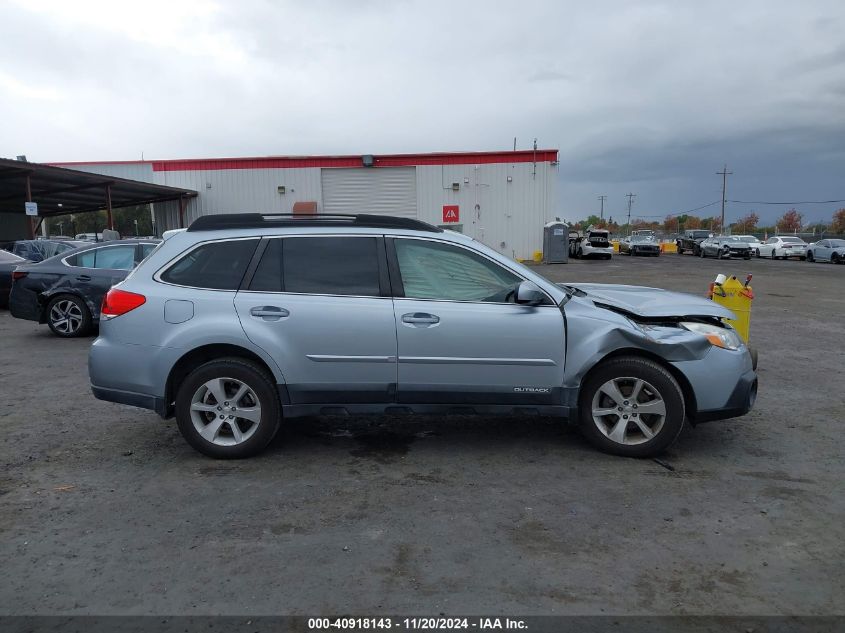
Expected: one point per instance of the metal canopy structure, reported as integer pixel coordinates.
(60, 191)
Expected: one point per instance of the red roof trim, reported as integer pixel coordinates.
(384, 160)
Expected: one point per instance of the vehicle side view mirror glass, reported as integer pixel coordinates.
(529, 293)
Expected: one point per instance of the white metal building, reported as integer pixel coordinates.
(502, 199)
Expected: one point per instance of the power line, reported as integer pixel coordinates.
(602, 198)
(802, 202)
(703, 206)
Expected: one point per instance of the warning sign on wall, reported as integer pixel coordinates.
(451, 213)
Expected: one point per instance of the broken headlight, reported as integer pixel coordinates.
(718, 336)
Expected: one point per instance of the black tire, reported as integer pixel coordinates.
(696, 251)
(803, 258)
(835, 259)
(259, 382)
(757, 252)
(72, 327)
(702, 253)
(680, 250)
(662, 381)
(810, 256)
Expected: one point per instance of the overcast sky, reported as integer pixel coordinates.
(643, 96)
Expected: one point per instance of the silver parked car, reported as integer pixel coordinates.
(827, 251)
(726, 246)
(243, 320)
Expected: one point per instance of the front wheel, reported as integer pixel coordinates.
(701, 253)
(810, 256)
(228, 408)
(757, 252)
(631, 406)
(68, 316)
(836, 259)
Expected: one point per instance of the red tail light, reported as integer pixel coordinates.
(19, 274)
(117, 302)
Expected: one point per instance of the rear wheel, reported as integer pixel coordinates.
(68, 316)
(228, 409)
(631, 406)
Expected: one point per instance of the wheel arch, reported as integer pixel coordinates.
(205, 353)
(690, 405)
(46, 296)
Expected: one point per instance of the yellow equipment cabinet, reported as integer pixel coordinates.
(737, 297)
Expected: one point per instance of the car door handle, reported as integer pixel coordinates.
(83, 278)
(269, 313)
(420, 318)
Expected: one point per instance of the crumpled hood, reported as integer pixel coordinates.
(653, 302)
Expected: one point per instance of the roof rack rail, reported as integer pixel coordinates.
(266, 220)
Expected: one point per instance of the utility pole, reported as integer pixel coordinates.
(630, 197)
(724, 174)
(602, 198)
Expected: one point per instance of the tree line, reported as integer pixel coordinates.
(790, 222)
(95, 221)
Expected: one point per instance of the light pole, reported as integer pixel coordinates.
(136, 228)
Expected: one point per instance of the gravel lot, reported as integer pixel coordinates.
(105, 510)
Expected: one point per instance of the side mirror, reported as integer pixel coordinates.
(529, 293)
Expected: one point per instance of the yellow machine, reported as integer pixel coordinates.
(737, 297)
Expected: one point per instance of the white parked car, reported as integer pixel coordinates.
(752, 241)
(782, 247)
(827, 251)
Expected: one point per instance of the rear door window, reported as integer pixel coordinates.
(330, 265)
(111, 257)
(215, 265)
(115, 257)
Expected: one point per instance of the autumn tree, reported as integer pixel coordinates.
(790, 222)
(837, 224)
(692, 222)
(747, 223)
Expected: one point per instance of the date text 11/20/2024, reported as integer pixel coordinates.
(416, 624)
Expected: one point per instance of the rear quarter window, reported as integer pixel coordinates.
(214, 265)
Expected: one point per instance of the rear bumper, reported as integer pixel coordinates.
(141, 400)
(23, 304)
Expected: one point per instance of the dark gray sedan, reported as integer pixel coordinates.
(726, 246)
(66, 291)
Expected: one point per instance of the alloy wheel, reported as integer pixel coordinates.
(225, 411)
(66, 316)
(628, 410)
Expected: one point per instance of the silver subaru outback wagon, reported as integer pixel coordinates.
(243, 320)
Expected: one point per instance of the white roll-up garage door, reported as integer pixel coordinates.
(381, 190)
